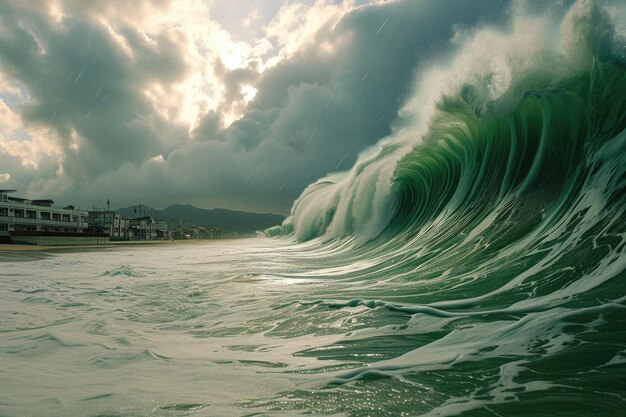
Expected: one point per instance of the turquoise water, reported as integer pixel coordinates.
(486, 235)
(262, 327)
(471, 264)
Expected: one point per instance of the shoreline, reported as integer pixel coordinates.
(12, 252)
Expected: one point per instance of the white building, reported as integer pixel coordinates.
(23, 215)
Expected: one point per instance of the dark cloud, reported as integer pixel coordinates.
(84, 84)
(314, 111)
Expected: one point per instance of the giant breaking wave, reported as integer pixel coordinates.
(521, 135)
(495, 217)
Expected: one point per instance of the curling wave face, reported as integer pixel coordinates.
(471, 264)
(501, 230)
(502, 103)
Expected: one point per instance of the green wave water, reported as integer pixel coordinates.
(472, 264)
(496, 288)
(500, 236)
(505, 254)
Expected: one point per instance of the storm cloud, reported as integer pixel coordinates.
(165, 103)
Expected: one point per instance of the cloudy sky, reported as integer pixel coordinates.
(217, 103)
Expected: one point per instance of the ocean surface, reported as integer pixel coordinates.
(473, 263)
(267, 327)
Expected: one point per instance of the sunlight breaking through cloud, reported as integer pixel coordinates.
(92, 91)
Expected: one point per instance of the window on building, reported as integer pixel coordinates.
(25, 227)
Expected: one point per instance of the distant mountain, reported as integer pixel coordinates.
(228, 221)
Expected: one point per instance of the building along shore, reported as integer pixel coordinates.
(40, 222)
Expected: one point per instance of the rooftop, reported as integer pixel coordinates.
(44, 202)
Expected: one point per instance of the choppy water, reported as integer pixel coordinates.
(471, 264)
(257, 327)
(208, 328)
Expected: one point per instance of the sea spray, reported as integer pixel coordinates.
(494, 220)
(472, 264)
(491, 76)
